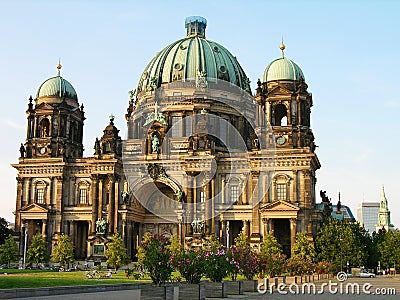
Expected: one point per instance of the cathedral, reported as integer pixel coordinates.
(204, 155)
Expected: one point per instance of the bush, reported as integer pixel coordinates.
(298, 266)
(323, 267)
(155, 256)
(190, 264)
(271, 265)
(216, 263)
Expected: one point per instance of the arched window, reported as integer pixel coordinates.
(280, 115)
(82, 193)
(40, 192)
(281, 184)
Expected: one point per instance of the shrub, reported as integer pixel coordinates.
(155, 255)
(272, 265)
(216, 263)
(298, 266)
(190, 264)
(323, 267)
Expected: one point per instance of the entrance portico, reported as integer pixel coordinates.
(281, 218)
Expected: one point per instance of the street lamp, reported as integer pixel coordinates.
(341, 260)
(227, 234)
(25, 242)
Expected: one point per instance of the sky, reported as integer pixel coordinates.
(348, 51)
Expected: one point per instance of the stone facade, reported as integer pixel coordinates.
(197, 151)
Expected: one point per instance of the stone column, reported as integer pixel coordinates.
(265, 222)
(293, 223)
(27, 187)
(213, 205)
(111, 203)
(116, 204)
(223, 232)
(189, 212)
(54, 193)
(255, 211)
(208, 207)
(295, 198)
(223, 189)
(245, 227)
(44, 228)
(244, 192)
(100, 199)
(124, 231)
(94, 202)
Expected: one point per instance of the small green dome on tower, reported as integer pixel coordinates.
(190, 57)
(57, 87)
(282, 69)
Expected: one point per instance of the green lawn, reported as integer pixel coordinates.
(35, 278)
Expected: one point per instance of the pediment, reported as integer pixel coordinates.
(279, 90)
(279, 206)
(44, 106)
(34, 208)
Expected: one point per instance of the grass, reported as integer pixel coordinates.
(36, 278)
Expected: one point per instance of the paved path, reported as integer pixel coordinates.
(378, 285)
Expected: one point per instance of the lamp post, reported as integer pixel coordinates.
(25, 242)
(341, 260)
(227, 234)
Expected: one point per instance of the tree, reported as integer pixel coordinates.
(270, 245)
(389, 249)
(303, 249)
(63, 252)
(374, 255)
(242, 240)
(175, 247)
(339, 242)
(4, 230)
(37, 252)
(9, 250)
(116, 253)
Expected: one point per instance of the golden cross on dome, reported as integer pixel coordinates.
(282, 47)
(59, 66)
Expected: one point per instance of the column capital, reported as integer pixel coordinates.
(265, 219)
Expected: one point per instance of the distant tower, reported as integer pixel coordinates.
(384, 213)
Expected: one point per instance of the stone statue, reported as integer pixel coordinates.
(97, 149)
(22, 150)
(155, 144)
(132, 95)
(197, 226)
(101, 226)
(125, 197)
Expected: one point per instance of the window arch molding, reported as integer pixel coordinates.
(82, 193)
(281, 187)
(40, 191)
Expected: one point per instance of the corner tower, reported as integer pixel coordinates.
(286, 104)
(55, 121)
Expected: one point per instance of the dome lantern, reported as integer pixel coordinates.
(195, 26)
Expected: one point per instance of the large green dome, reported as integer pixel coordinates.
(282, 69)
(57, 87)
(193, 56)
